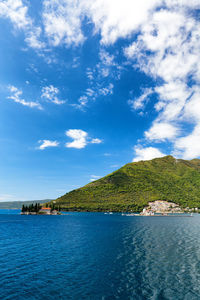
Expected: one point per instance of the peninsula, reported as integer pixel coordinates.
(133, 186)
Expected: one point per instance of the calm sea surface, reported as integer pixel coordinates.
(98, 256)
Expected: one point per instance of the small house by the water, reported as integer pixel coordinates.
(45, 210)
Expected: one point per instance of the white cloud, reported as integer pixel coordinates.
(89, 74)
(90, 93)
(191, 111)
(80, 139)
(115, 19)
(173, 41)
(106, 58)
(105, 91)
(167, 49)
(17, 13)
(83, 100)
(161, 131)
(47, 143)
(146, 153)
(96, 141)
(107, 65)
(62, 21)
(16, 97)
(50, 93)
(100, 78)
(183, 3)
(188, 147)
(172, 99)
(93, 94)
(33, 37)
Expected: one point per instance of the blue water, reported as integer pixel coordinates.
(97, 256)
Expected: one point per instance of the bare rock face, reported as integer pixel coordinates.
(161, 207)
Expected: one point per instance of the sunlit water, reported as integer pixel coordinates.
(98, 256)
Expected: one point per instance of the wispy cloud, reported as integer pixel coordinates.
(33, 39)
(80, 139)
(16, 97)
(93, 94)
(100, 79)
(50, 94)
(96, 141)
(89, 74)
(107, 65)
(47, 143)
(9, 197)
(105, 91)
(140, 102)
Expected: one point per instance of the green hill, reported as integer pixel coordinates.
(135, 184)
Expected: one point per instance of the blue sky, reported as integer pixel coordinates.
(87, 86)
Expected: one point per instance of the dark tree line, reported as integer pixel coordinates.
(31, 208)
(54, 207)
(36, 207)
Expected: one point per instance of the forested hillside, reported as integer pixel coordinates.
(135, 184)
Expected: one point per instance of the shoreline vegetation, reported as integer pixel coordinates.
(38, 209)
(156, 208)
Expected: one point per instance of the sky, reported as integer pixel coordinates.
(87, 86)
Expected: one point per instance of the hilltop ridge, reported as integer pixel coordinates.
(131, 187)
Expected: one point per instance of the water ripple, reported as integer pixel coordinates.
(97, 256)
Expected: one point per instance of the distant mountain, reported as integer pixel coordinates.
(18, 204)
(135, 184)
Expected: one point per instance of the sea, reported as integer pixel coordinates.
(99, 256)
